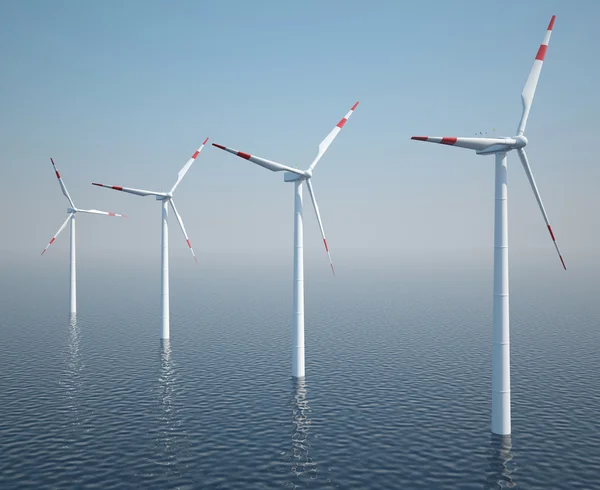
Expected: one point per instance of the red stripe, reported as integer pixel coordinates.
(551, 234)
(195, 154)
(448, 140)
(52, 241)
(219, 146)
(563, 262)
(205, 141)
(243, 155)
(541, 52)
(52, 161)
(101, 185)
(57, 174)
(419, 138)
(117, 187)
(354, 106)
(111, 214)
(551, 25)
(326, 247)
(341, 123)
(189, 244)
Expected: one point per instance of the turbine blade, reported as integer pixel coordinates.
(534, 76)
(524, 161)
(477, 144)
(314, 201)
(330, 137)
(58, 232)
(105, 213)
(62, 185)
(187, 166)
(273, 166)
(183, 229)
(130, 190)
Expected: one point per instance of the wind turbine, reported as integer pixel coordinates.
(501, 420)
(166, 198)
(71, 211)
(298, 177)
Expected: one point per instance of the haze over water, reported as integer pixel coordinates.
(397, 392)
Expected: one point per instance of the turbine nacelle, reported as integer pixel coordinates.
(294, 177)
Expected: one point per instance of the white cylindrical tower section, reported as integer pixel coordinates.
(73, 260)
(164, 272)
(500, 329)
(298, 315)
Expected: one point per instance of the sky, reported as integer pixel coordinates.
(123, 93)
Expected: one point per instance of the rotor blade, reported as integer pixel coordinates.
(330, 137)
(58, 232)
(137, 192)
(183, 229)
(525, 163)
(105, 213)
(274, 166)
(187, 166)
(534, 76)
(477, 144)
(62, 184)
(314, 201)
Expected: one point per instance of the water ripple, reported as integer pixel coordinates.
(397, 393)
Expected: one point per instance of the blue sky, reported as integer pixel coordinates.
(124, 92)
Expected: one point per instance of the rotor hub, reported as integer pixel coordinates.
(520, 141)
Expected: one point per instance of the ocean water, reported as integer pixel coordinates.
(397, 392)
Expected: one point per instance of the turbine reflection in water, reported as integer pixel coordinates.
(72, 406)
(169, 422)
(303, 467)
(501, 464)
(72, 381)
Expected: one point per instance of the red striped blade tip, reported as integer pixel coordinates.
(449, 140)
(219, 146)
(99, 185)
(205, 141)
(354, 106)
(551, 25)
(563, 262)
(419, 138)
